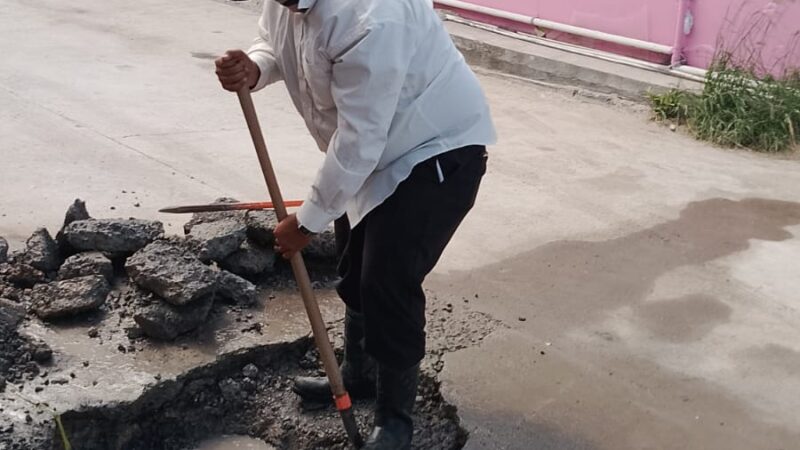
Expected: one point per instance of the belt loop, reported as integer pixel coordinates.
(439, 171)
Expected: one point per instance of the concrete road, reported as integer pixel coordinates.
(647, 284)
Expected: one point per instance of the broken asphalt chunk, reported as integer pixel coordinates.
(167, 269)
(69, 297)
(113, 236)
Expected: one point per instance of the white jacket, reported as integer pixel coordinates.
(381, 87)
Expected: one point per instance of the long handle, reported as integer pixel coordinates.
(341, 397)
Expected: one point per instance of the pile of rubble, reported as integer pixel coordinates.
(121, 283)
(168, 284)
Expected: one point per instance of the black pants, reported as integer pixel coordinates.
(386, 257)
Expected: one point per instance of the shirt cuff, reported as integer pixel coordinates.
(313, 217)
(266, 66)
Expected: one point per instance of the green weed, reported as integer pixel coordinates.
(737, 108)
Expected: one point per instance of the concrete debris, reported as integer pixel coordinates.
(168, 270)
(3, 250)
(113, 236)
(22, 275)
(250, 371)
(83, 264)
(199, 218)
(250, 260)
(76, 211)
(260, 226)
(69, 297)
(160, 320)
(18, 354)
(42, 353)
(11, 313)
(236, 289)
(230, 389)
(322, 248)
(41, 252)
(9, 291)
(219, 239)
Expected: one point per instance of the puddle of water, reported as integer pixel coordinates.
(234, 443)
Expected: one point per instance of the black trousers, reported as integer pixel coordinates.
(387, 256)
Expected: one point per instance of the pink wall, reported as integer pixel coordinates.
(770, 29)
(655, 20)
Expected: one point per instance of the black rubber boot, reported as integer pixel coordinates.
(358, 368)
(394, 426)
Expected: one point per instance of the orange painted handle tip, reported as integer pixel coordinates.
(343, 402)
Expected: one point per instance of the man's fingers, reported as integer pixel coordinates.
(235, 53)
(225, 63)
(232, 78)
(234, 87)
(232, 57)
(228, 71)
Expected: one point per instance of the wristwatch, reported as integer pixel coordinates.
(305, 231)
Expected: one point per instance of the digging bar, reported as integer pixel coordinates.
(216, 207)
(340, 395)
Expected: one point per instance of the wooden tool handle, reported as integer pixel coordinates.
(301, 274)
(298, 266)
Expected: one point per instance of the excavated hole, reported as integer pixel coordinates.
(104, 373)
(218, 399)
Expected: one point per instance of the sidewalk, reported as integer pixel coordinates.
(538, 62)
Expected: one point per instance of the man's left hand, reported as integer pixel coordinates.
(288, 237)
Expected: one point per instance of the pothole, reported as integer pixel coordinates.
(224, 383)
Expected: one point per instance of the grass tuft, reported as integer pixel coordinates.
(737, 108)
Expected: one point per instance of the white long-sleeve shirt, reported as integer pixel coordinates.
(381, 87)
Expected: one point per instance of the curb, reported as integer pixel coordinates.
(527, 60)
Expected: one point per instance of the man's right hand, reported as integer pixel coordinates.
(236, 70)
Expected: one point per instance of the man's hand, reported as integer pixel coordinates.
(236, 70)
(288, 237)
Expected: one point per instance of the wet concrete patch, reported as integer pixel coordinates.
(595, 277)
(683, 319)
(774, 358)
(520, 434)
(629, 386)
(583, 397)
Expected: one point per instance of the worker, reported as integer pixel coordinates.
(403, 123)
